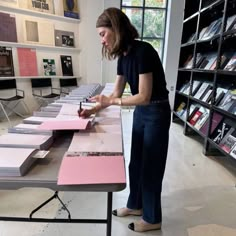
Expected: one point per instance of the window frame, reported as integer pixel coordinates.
(143, 8)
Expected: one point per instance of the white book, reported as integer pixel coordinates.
(96, 143)
(36, 120)
(15, 140)
(15, 161)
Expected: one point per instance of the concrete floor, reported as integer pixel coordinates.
(199, 197)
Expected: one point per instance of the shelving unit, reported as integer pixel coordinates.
(43, 50)
(208, 44)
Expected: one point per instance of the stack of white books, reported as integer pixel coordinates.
(29, 129)
(14, 140)
(15, 161)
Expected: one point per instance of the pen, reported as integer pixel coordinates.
(80, 108)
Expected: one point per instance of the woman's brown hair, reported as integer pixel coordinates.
(124, 31)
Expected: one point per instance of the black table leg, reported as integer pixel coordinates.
(109, 213)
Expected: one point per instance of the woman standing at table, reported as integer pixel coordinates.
(138, 65)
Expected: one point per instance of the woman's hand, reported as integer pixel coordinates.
(102, 100)
(85, 113)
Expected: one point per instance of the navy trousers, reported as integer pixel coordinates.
(149, 146)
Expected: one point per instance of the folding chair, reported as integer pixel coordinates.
(67, 85)
(43, 91)
(9, 104)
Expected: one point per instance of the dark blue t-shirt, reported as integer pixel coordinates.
(143, 58)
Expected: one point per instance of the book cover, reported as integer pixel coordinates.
(228, 142)
(71, 8)
(231, 20)
(27, 62)
(233, 152)
(196, 86)
(228, 100)
(216, 119)
(46, 6)
(49, 67)
(38, 32)
(221, 130)
(202, 90)
(195, 117)
(66, 65)
(180, 108)
(231, 65)
(8, 27)
(64, 38)
(6, 62)
(202, 119)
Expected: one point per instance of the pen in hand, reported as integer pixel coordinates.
(80, 108)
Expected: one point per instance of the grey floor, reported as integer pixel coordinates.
(199, 197)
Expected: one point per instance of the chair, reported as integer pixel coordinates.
(67, 85)
(9, 104)
(43, 91)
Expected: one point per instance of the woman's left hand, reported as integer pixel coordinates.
(103, 100)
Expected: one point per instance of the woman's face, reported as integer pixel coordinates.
(107, 37)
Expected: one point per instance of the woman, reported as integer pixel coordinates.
(139, 66)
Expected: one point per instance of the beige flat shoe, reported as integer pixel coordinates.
(121, 212)
(142, 226)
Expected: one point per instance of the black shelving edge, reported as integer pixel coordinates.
(203, 71)
(200, 102)
(188, 44)
(184, 69)
(191, 17)
(196, 130)
(225, 113)
(219, 149)
(213, 5)
(230, 33)
(182, 94)
(215, 37)
(226, 72)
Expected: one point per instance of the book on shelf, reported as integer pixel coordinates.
(231, 65)
(228, 100)
(233, 152)
(184, 86)
(202, 90)
(196, 86)
(188, 64)
(202, 119)
(211, 59)
(195, 116)
(71, 8)
(191, 38)
(27, 61)
(212, 29)
(199, 59)
(66, 65)
(6, 62)
(180, 108)
(216, 119)
(46, 6)
(221, 130)
(49, 67)
(192, 109)
(229, 141)
(16, 161)
(202, 32)
(64, 38)
(220, 93)
(9, 3)
(38, 31)
(15, 140)
(231, 20)
(208, 95)
(8, 27)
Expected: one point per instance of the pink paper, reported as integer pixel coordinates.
(78, 124)
(27, 62)
(92, 170)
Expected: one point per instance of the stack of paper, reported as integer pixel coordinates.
(15, 161)
(42, 142)
(29, 129)
(96, 144)
(91, 170)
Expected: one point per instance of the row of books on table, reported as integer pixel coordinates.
(23, 141)
(213, 28)
(207, 61)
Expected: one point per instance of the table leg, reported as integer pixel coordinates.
(109, 213)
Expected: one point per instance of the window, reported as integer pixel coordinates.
(149, 18)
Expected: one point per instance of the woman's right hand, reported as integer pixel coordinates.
(85, 113)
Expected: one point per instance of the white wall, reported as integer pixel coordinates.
(172, 46)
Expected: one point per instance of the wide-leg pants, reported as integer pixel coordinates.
(149, 146)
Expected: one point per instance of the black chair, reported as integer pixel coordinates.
(68, 85)
(43, 91)
(10, 98)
